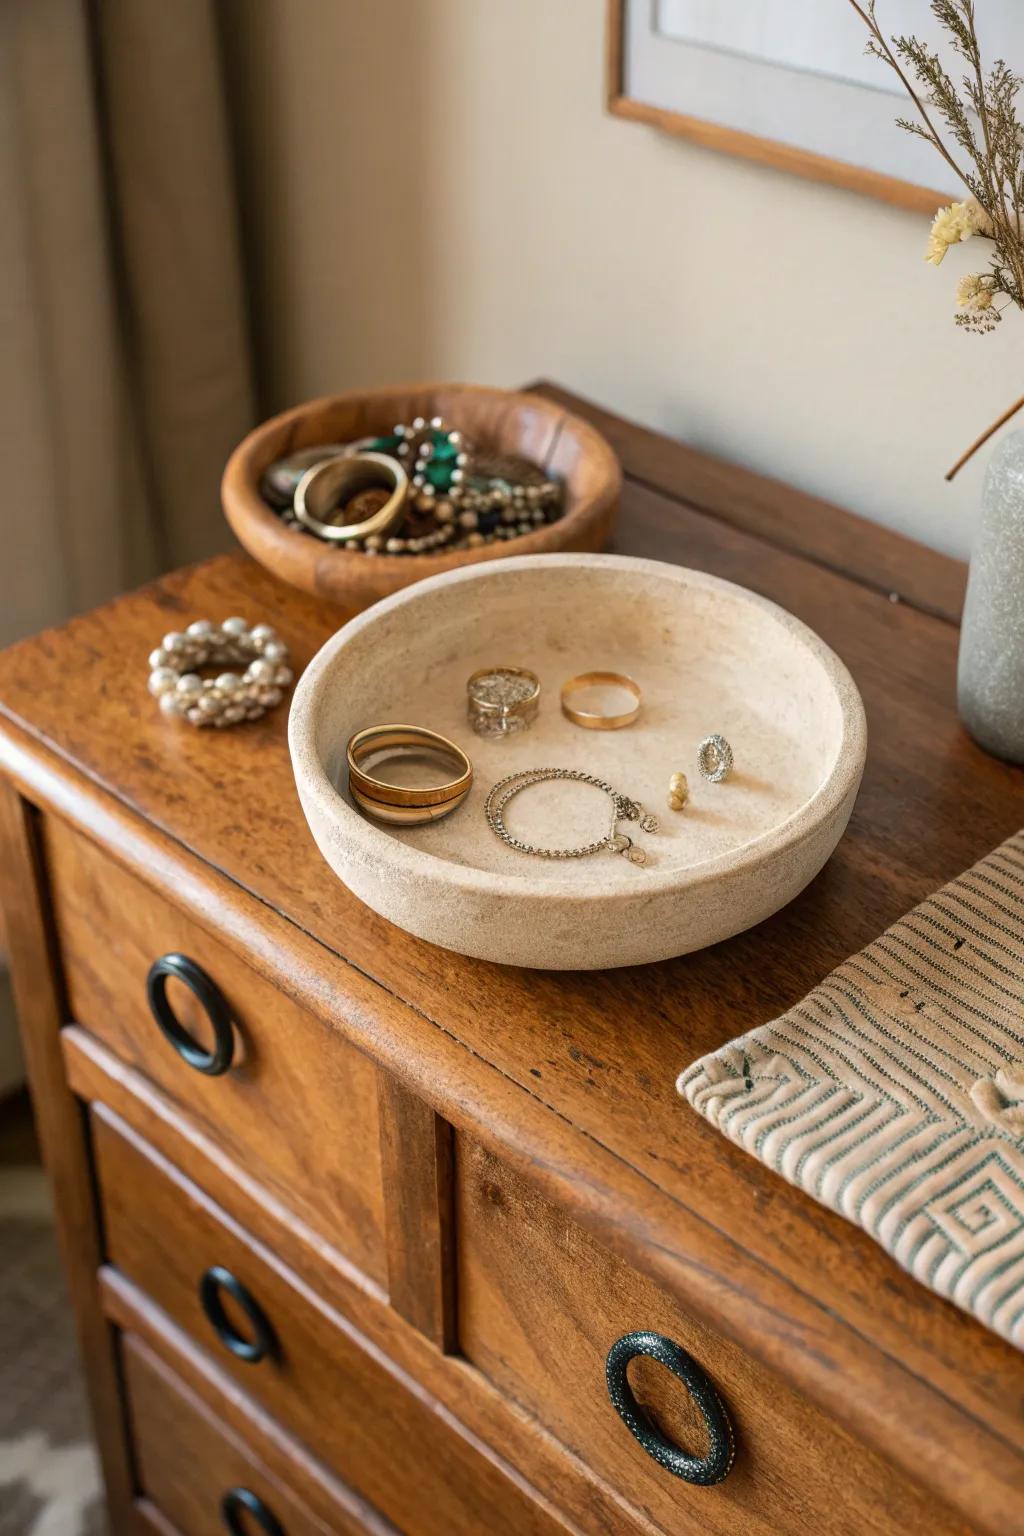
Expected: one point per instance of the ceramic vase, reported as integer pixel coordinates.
(990, 682)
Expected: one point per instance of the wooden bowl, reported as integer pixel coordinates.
(708, 656)
(497, 419)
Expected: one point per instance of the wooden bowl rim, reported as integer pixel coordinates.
(246, 510)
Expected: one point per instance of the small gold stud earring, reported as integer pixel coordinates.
(678, 792)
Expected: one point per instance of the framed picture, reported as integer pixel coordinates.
(788, 83)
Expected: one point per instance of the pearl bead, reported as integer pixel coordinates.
(208, 704)
(162, 680)
(283, 676)
(260, 671)
(475, 540)
(170, 704)
(195, 715)
(232, 714)
(467, 519)
(190, 685)
(418, 424)
(202, 629)
(235, 627)
(158, 658)
(263, 635)
(394, 546)
(228, 682)
(174, 642)
(437, 422)
(276, 652)
(269, 697)
(455, 439)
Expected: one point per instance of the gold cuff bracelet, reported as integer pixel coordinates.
(400, 803)
(322, 489)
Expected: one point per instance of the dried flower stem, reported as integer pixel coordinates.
(989, 433)
(993, 172)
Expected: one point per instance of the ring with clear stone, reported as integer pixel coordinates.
(232, 696)
(714, 758)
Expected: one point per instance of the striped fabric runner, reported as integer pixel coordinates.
(894, 1092)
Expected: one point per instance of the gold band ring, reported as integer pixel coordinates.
(595, 722)
(388, 738)
(322, 488)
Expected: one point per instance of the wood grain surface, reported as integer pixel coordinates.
(336, 1394)
(187, 1460)
(302, 1118)
(571, 1076)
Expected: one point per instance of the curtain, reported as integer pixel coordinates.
(125, 374)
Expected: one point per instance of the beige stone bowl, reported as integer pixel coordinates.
(709, 657)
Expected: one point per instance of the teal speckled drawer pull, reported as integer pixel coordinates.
(703, 1470)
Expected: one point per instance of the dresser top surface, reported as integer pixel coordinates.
(600, 1051)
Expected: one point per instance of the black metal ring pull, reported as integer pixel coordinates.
(214, 1062)
(704, 1470)
(216, 1280)
(237, 1499)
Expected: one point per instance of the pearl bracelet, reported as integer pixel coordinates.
(231, 697)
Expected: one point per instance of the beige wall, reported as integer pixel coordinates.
(431, 188)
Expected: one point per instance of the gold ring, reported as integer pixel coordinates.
(502, 700)
(386, 738)
(586, 718)
(322, 488)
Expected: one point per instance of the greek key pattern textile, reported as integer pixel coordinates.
(894, 1092)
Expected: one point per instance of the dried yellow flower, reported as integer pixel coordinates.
(975, 292)
(952, 225)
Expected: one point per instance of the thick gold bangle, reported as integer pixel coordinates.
(379, 737)
(586, 718)
(404, 815)
(322, 488)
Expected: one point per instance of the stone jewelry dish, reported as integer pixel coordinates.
(709, 657)
(566, 446)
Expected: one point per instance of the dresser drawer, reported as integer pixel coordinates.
(297, 1106)
(296, 1356)
(540, 1304)
(202, 1475)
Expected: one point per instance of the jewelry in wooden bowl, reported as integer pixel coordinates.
(506, 429)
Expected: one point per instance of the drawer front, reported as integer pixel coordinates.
(540, 1305)
(200, 1474)
(297, 1357)
(297, 1107)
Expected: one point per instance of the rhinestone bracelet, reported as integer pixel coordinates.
(623, 809)
(231, 697)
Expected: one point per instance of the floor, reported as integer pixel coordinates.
(49, 1479)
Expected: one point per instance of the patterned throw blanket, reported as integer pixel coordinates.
(894, 1092)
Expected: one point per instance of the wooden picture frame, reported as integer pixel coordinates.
(748, 146)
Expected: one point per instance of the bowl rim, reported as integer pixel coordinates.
(250, 517)
(312, 780)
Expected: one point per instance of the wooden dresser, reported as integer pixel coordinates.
(365, 1278)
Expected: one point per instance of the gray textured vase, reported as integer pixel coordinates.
(991, 674)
